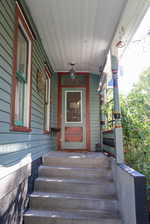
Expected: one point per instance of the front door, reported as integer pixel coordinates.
(73, 122)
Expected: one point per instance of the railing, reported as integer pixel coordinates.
(148, 194)
(109, 142)
(131, 190)
(148, 186)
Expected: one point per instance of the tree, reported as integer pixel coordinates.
(135, 110)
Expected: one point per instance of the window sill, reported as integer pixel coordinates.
(21, 129)
(46, 132)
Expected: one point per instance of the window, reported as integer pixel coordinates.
(21, 91)
(47, 101)
(21, 80)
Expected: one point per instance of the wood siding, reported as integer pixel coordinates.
(94, 111)
(16, 146)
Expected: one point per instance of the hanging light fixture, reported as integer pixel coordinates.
(72, 71)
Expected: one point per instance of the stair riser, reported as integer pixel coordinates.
(79, 188)
(66, 177)
(75, 174)
(77, 162)
(43, 220)
(63, 203)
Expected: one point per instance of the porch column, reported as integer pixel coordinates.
(117, 112)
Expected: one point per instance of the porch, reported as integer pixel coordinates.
(56, 60)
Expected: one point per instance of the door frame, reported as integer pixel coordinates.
(59, 112)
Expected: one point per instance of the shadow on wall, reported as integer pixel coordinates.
(14, 193)
(14, 211)
(34, 174)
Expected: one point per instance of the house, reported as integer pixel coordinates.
(54, 64)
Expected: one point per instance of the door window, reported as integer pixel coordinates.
(73, 106)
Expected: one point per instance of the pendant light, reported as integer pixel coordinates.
(72, 71)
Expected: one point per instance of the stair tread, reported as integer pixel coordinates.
(87, 214)
(93, 160)
(72, 196)
(75, 155)
(74, 168)
(80, 191)
(59, 180)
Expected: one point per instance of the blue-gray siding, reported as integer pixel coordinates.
(94, 111)
(14, 146)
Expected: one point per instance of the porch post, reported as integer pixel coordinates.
(117, 112)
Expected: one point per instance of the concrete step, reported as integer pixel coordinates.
(74, 188)
(79, 160)
(61, 217)
(60, 201)
(76, 173)
(97, 188)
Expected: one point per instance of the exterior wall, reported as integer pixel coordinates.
(54, 108)
(54, 100)
(19, 149)
(94, 111)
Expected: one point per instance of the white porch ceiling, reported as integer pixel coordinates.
(77, 31)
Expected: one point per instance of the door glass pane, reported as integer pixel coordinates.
(73, 107)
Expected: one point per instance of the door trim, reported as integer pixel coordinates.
(59, 113)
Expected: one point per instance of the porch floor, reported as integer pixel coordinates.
(76, 154)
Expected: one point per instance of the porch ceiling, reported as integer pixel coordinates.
(76, 30)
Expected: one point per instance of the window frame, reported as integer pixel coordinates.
(22, 25)
(49, 76)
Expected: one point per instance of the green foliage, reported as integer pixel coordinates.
(136, 125)
(108, 109)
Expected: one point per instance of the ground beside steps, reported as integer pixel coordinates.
(74, 188)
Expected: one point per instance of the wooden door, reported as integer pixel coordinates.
(73, 122)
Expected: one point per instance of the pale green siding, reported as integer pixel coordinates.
(54, 100)
(54, 108)
(94, 111)
(14, 146)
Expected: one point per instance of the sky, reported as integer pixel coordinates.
(137, 56)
